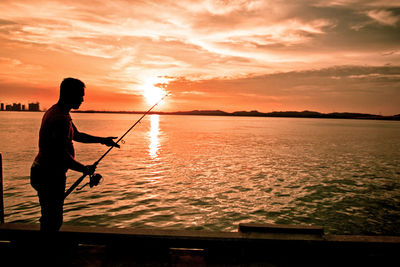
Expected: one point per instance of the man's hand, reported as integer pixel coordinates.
(89, 169)
(108, 141)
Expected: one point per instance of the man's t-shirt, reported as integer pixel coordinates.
(56, 150)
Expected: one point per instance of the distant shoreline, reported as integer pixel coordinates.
(254, 113)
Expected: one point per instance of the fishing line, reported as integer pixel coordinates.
(95, 178)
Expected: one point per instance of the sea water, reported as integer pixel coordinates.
(211, 172)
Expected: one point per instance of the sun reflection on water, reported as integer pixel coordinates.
(153, 134)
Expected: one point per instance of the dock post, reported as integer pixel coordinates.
(1, 191)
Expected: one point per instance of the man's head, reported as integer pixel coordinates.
(71, 92)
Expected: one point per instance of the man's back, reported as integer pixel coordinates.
(55, 139)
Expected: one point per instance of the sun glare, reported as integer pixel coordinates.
(152, 92)
(154, 132)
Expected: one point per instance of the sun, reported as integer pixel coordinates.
(153, 94)
(152, 91)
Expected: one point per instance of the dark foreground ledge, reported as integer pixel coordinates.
(253, 244)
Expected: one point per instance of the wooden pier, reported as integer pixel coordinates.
(251, 245)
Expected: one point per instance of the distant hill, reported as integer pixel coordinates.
(201, 112)
(288, 114)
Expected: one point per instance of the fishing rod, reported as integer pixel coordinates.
(95, 178)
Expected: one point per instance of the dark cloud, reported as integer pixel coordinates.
(6, 22)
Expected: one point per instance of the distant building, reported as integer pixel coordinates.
(16, 107)
(20, 107)
(34, 106)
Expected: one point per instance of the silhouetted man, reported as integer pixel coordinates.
(56, 153)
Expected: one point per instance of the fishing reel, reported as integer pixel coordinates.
(94, 180)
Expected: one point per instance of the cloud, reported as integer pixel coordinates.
(384, 17)
(6, 22)
(11, 67)
(190, 34)
(357, 3)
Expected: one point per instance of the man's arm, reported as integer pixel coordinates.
(87, 138)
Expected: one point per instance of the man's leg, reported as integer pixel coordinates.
(51, 198)
(50, 186)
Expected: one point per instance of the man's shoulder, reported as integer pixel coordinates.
(55, 113)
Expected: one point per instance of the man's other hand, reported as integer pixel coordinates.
(89, 169)
(108, 141)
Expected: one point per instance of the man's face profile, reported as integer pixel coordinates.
(77, 98)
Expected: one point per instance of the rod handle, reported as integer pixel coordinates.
(77, 182)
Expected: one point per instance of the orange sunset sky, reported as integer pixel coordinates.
(321, 55)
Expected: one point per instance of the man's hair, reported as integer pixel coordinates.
(70, 87)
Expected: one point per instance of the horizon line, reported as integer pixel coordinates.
(218, 112)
